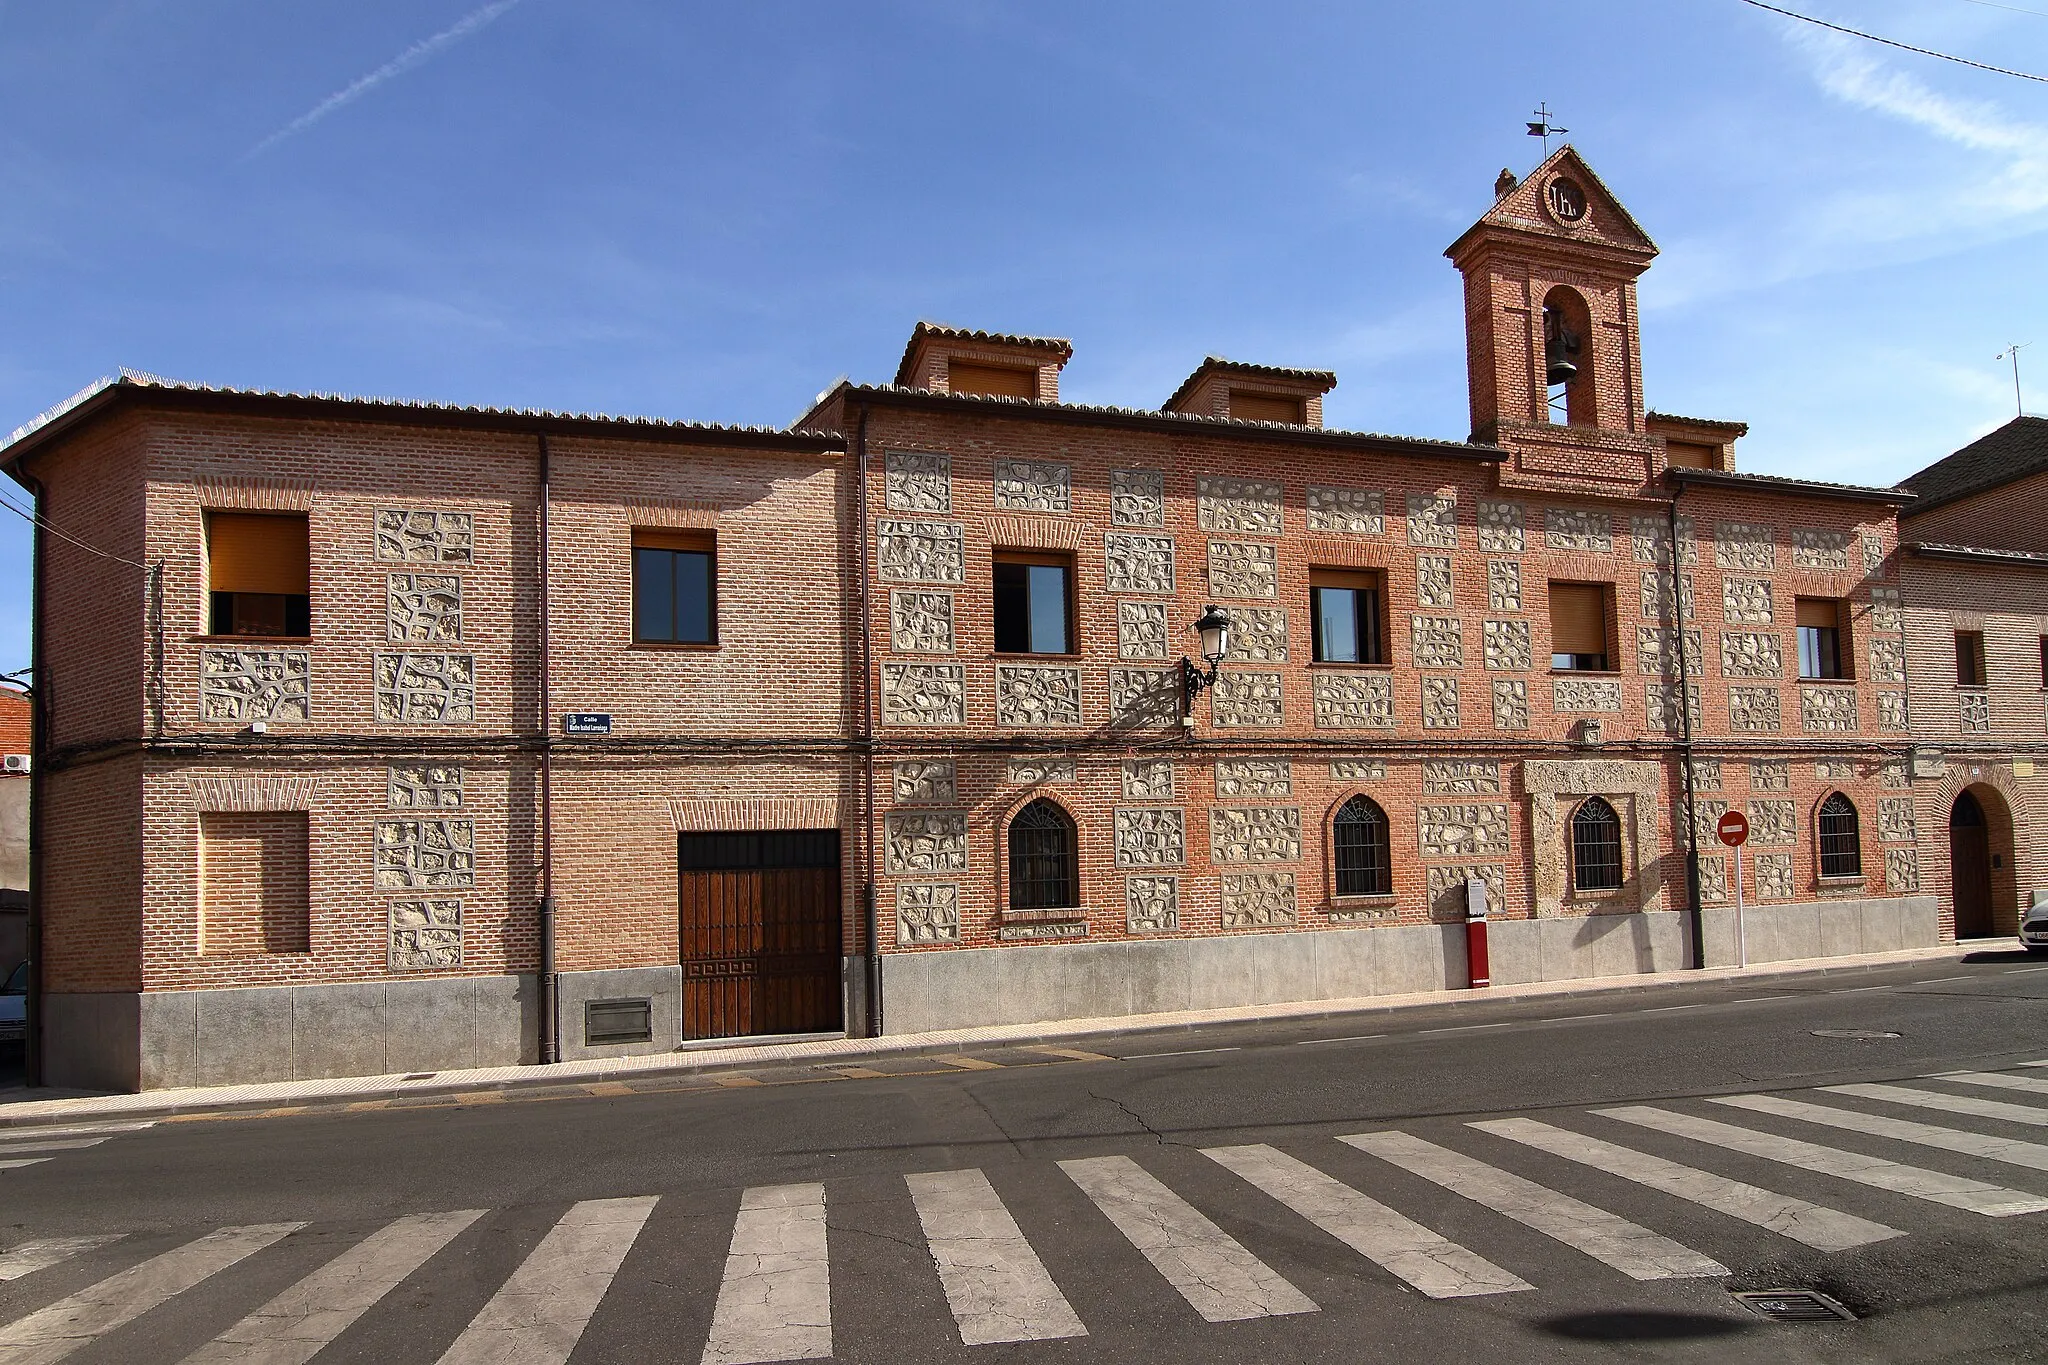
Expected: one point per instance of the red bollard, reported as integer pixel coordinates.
(1481, 969)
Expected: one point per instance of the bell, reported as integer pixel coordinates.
(1560, 349)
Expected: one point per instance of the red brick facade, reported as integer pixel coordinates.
(416, 737)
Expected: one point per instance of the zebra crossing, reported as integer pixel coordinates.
(33, 1147)
(779, 1286)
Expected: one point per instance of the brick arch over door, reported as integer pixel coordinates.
(2009, 816)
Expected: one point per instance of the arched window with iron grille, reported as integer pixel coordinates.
(1841, 846)
(1596, 847)
(1359, 842)
(1045, 864)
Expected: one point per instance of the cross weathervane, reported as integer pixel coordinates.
(1542, 127)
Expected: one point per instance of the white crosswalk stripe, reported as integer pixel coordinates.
(775, 1302)
(2010, 1151)
(25, 1161)
(1435, 1265)
(43, 1253)
(998, 1288)
(1947, 1104)
(293, 1327)
(1937, 1186)
(74, 1130)
(538, 1315)
(59, 1145)
(1822, 1228)
(2032, 1085)
(71, 1322)
(1210, 1269)
(1634, 1251)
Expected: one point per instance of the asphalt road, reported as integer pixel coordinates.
(1207, 1210)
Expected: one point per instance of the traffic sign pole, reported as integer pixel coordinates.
(1741, 930)
(1733, 830)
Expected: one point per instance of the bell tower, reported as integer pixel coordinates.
(1552, 340)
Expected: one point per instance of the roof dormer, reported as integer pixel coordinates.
(988, 364)
(1253, 393)
(1696, 442)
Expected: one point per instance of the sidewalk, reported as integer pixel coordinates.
(28, 1107)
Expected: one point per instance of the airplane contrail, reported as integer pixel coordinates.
(398, 65)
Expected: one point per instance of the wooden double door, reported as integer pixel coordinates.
(760, 932)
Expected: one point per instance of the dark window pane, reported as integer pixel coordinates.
(1048, 593)
(1841, 852)
(1820, 652)
(1361, 850)
(1336, 625)
(1579, 663)
(693, 597)
(1012, 608)
(220, 616)
(654, 595)
(1044, 865)
(1372, 644)
(1596, 847)
(298, 615)
(258, 613)
(742, 850)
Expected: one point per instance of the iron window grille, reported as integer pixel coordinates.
(1045, 869)
(1841, 851)
(1364, 867)
(1596, 847)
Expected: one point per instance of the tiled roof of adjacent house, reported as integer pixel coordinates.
(138, 383)
(2015, 450)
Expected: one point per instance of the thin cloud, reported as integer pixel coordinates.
(397, 66)
(1988, 182)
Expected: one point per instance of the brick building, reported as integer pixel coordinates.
(398, 736)
(1975, 578)
(14, 791)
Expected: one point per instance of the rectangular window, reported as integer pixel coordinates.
(1034, 604)
(1578, 627)
(992, 381)
(253, 883)
(2044, 661)
(1345, 617)
(257, 574)
(675, 587)
(1820, 637)
(1970, 671)
(1691, 455)
(1267, 407)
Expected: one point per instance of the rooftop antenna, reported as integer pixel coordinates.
(2012, 353)
(1542, 127)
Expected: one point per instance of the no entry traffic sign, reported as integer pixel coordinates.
(1733, 829)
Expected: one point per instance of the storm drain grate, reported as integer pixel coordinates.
(1794, 1305)
(1853, 1033)
(420, 1076)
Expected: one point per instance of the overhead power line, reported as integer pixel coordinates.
(1893, 42)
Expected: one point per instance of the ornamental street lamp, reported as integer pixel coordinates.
(1214, 631)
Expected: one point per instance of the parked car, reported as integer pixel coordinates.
(14, 1005)
(2033, 928)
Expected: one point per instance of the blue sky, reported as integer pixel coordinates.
(713, 211)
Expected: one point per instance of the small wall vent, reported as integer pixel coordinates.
(618, 1021)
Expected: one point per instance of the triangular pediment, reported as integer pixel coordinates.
(1545, 201)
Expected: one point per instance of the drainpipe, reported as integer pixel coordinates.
(1692, 850)
(38, 787)
(550, 1025)
(870, 929)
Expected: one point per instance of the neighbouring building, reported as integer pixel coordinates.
(1975, 579)
(14, 790)
(426, 736)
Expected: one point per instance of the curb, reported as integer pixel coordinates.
(173, 1103)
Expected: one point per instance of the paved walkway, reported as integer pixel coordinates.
(22, 1106)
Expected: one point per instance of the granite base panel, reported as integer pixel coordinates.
(154, 1040)
(970, 988)
(662, 987)
(1831, 928)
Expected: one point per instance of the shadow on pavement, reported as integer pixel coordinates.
(1977, 955)
(1641, 1326)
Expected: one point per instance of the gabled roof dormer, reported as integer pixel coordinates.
(1253, 393)
(989, 364)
